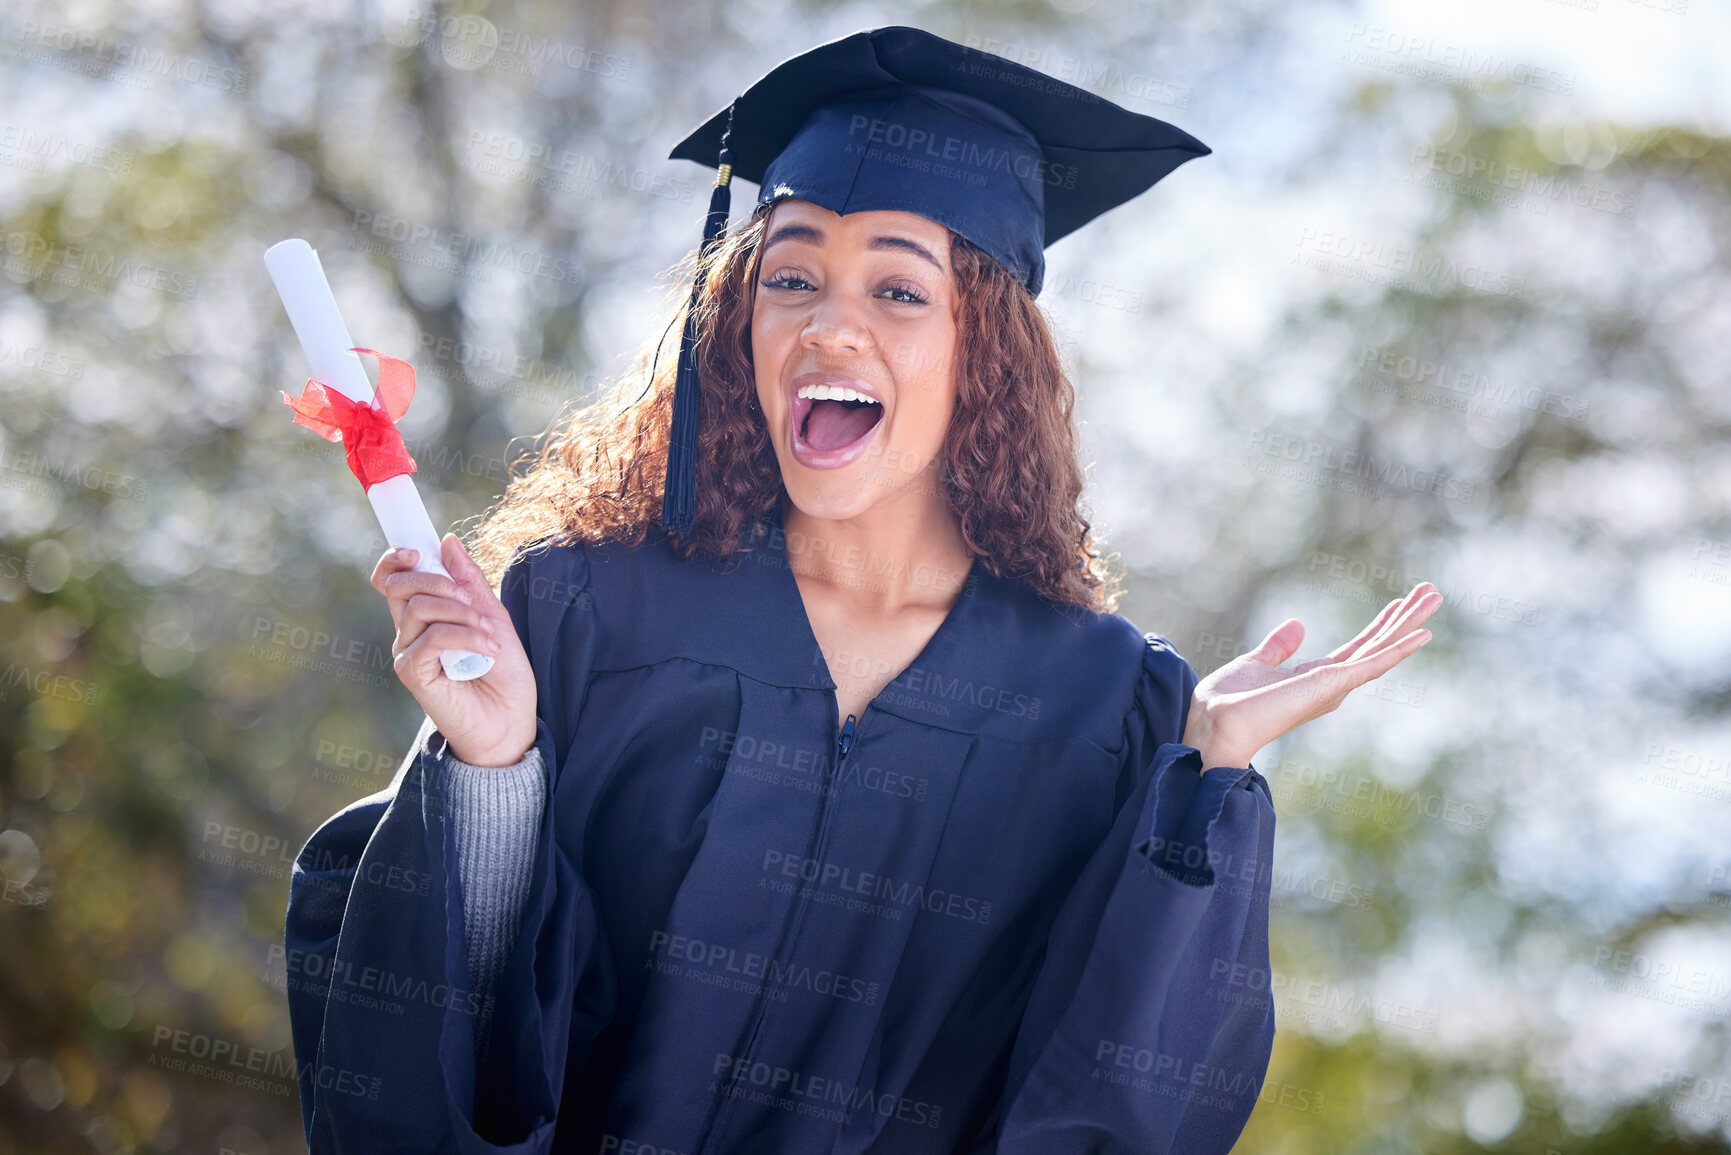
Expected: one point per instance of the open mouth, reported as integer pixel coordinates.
(832, 423)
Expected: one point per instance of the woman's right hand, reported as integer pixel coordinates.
(489, 721)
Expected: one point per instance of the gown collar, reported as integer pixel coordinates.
(800, 640)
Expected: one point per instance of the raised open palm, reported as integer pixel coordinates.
(1251, 701)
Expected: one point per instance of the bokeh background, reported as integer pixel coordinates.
(1450, 301)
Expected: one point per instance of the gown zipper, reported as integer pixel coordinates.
(843, 743)
(844, 740)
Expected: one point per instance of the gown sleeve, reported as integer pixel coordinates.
(1149, 1028)
(381, 1012)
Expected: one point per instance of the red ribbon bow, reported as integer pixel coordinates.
(368, 432)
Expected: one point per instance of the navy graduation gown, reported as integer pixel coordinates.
(1007, 914)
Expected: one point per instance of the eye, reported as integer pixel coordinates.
(787, 280)
(909, 295)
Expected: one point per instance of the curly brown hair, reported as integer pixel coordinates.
(1010, 458)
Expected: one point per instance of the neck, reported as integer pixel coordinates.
(893, 555)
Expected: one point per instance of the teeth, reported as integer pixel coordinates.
(834, 393)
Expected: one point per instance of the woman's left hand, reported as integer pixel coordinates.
(1250, 701)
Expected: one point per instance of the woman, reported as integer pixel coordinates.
(843, 815)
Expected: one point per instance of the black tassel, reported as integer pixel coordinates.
(679, 493)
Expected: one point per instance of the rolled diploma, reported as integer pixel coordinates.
(306, 295)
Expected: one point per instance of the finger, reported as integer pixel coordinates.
(421, 659)
(1378, 630)
(1280, 644)
(424, 610)
(472, 579)
(1349, 676)
(1395, 619)
(1380, 627)
(464, 569)
(1324, 683)
(390, 562)
(1367, 633)
(406, 585)
(1421, 603)
(1428, 605)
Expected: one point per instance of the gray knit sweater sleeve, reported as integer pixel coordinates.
(495, 814)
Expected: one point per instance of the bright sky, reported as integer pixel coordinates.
(1641, 60)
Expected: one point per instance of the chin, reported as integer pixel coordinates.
(830, 497)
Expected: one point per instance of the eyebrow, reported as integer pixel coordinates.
(886, 241)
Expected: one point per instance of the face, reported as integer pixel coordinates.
(853, 333)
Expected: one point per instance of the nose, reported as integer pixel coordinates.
(835, 326)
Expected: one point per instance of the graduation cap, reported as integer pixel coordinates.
(896, 118)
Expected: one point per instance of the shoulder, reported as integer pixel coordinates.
(548, 580)
(1164, 666)
(612, 572)
(1109, 640)
(546, 574)
(644, 605)
(1095, 668)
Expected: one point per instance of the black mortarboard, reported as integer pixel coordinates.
(897, 118)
